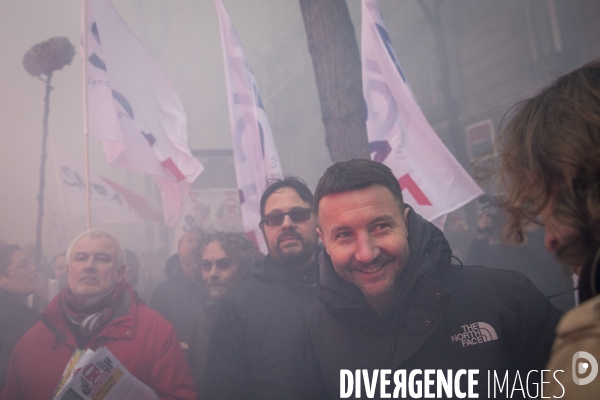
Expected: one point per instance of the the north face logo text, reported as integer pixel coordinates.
(478, 332)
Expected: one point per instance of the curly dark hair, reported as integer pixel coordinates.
(241, 250)
(550, 151)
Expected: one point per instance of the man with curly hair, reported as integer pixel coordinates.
(549, 166)
(226, 258)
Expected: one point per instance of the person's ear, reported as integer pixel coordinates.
(320, 233)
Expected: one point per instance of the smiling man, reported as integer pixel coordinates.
(391, 299)
(350, 221)
(99, 308)
(257, 320)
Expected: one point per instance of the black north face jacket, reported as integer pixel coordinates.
(443, 317)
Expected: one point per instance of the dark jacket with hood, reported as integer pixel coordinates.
(180, 301)
(442, 316)
(254, 329)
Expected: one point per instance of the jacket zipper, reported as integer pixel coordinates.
(392, 345)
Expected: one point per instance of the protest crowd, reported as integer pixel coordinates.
(380, 290)
(345, 291)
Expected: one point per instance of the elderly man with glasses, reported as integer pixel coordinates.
(258, 319)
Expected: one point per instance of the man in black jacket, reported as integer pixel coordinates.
(180, 300)
(397, 318)
(257, 320)
(18, 279)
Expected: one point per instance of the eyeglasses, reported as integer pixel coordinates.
(296, 215)
(222, 263)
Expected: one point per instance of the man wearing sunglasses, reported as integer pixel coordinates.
(258, 319)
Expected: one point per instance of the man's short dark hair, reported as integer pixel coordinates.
(346, 176)
(289, 181)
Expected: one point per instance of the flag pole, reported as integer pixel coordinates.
(86, 136)
(60, 191)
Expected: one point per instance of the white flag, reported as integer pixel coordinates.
(254, 151)
(432, 181)
(134, 110)
(110, 201)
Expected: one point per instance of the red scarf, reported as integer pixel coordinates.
(90, 314)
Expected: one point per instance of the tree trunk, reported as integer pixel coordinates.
(336, 63)
(452, 108)
(44, 156)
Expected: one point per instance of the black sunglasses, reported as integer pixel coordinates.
(296, 215)
(222, 263)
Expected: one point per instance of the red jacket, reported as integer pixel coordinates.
(143, 341)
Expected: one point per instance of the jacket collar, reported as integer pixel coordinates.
(121, 326)
(270, 270)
